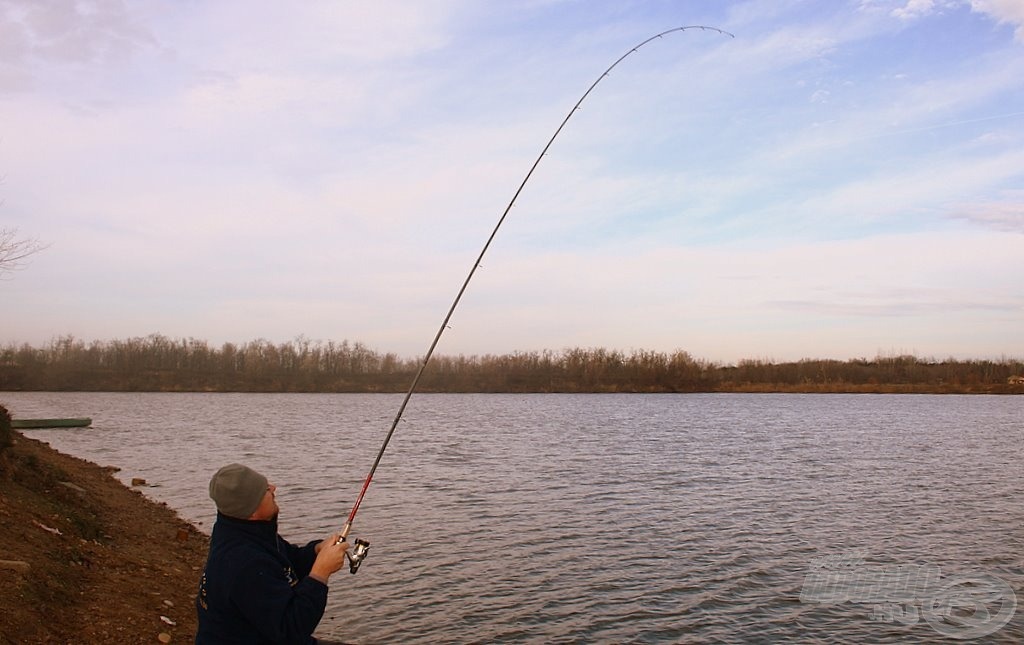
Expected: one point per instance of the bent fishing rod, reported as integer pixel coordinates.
(361, 547)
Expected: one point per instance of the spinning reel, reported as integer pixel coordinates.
(356, 554)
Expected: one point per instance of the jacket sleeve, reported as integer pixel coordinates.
(283, 612)
(301, 557)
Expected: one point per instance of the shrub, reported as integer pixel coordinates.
(6, 436)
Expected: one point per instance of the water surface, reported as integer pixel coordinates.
(599, 518)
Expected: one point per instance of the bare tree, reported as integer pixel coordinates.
(15, 250)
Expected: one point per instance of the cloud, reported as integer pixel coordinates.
(1009, 12)
(900, 303)
(34, 34)
(914, 9)
(1006, 216)
(1005, 12)
(910, 10)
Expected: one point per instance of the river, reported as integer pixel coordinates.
(613, 518)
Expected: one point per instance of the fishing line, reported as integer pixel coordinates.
(361, 546)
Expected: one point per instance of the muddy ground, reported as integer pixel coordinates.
(87, 560)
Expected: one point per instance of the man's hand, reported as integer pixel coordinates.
(331, 539)
(330, 556)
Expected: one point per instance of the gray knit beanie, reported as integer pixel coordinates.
(237, 490)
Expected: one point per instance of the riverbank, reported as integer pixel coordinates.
(87, 560)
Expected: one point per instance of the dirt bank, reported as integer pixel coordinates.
(87, 560)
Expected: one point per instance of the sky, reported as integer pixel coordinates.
(832, 180)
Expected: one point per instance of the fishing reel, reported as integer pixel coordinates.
(356, 554)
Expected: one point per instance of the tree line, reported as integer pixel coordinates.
(159, 363)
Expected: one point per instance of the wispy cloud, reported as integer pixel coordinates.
(1006, 215)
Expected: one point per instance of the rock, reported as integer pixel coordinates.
(48, 529)
(164, 637)
(15, 565)
(138, 481)
(74, 487)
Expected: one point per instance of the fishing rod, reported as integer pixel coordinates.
(361, 547)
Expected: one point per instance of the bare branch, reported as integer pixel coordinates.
(15, 250)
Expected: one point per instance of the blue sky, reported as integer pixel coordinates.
(841, 179)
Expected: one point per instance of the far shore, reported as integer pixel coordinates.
(157, 363)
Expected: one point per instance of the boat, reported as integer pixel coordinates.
(33, 424)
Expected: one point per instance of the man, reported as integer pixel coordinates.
(256, 587)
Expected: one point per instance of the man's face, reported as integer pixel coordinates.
(267, 510)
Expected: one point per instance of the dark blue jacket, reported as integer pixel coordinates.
(256, 587)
